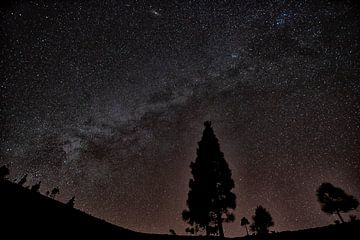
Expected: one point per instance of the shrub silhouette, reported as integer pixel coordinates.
(54, 192)
(244, 223)
(262, 221)
(71, 202)
(36, 187)
(4, 172)
(210, 200)
(334, 200)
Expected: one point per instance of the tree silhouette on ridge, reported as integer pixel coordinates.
(71, 202)
(36, 187)
(262, 221)
(210, 200)
(244, 222)
(54, 192)
(334, 200)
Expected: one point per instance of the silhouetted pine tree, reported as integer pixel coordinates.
(71, 202)
(210, 200)
(262, 221)
(245, 222)
(334, 200)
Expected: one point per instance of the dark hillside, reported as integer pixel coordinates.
(332, 232)
(29, 214)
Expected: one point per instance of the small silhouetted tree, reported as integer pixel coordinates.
(23, 180)
(244, 223)
(4, 172)
(54, 192)
(36, 187)
(334, 200)
(262, 221)
(210, 200)
(352, 218)
(71, 202)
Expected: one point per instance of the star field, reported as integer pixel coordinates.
(106, 100)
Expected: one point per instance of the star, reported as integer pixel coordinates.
(107, 99)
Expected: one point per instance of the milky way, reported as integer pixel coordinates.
(107, 99)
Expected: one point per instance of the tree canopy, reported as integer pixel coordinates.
(334, 200)
(262, 221)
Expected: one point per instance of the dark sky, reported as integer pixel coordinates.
(107, 99)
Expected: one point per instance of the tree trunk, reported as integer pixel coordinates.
(247, 232)
(341, 219)
(220, 226)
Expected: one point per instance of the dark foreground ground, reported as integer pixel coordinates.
(30, 215)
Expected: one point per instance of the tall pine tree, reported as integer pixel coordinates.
(210, 200)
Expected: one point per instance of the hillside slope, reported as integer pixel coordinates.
(29, 214)
(346, 231)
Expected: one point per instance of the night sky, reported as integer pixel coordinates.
(107, 99)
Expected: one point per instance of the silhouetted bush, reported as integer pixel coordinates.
(54, 192)
(36, 187)
(71, 202)
(262, 221)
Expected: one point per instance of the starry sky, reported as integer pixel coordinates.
(107, 99)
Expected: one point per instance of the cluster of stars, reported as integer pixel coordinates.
(106, 100)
